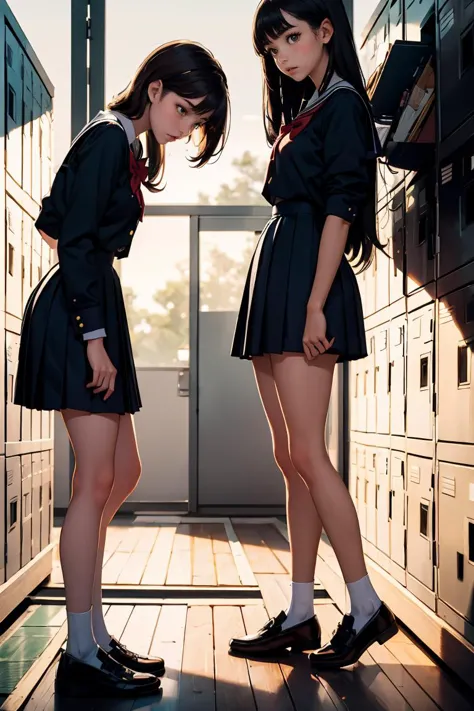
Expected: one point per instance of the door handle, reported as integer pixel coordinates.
(183, 383)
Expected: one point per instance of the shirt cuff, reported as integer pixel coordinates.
(337, 205)
(99, 333)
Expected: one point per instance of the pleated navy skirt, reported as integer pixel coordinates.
(53, 369)
(272, 314)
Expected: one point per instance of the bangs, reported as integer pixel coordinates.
(269, 25)
(195, 84)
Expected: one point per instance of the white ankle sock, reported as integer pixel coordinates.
(101, 634)
(364, 601)
(81, 642)
(301, 605)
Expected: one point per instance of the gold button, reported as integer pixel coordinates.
(131, 233)
(78, 318)
(81, 325)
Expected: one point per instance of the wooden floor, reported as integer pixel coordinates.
(192, 634)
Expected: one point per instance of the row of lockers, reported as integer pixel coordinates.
(447, 25)
(28, 507)
(417, 522)
(28, 111)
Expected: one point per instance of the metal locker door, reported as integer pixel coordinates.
(36, 143)
(371, 286)
(455, 388)
(420, 373)
(26, 509)
(2, 528)
(362, 490)
(353, 472)
(27, 126)
(360, 278)
(397, 375)
(46, 141)
(370, 363)
(371, 495)
(397, 246)
(381, 263)
(36, 504)
(13, 516)
(415, 12)
(382, 380)
(13, 412)
(456, 538)
(420, 533)
(354, 368)
(14, 106)
(46, 497)
(383, 501)
(362, 395)
(13, 265)
(420, 222)
(26, 249)
(397, 508)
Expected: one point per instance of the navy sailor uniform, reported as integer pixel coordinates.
(320, 165)
(91, 215)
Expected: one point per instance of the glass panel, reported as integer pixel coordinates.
(155, 282)
(224, 262)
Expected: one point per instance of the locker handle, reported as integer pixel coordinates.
(390, 495)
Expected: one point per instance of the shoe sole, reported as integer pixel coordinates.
(381, 639)
(295, 648)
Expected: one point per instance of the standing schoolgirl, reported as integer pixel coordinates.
(75, 351)
(301, 310)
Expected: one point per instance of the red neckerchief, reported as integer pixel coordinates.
(296, 126)
(138, 175)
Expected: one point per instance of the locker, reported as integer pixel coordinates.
(46, 141)
(397, 508)
(420, 373)
(46, 419)
(2, 528)
(361, 489)
(397, 375)
(382, 261)
(46, 499)
(456, 538)
(420, 517)
(25, 425)
(36, 258)
(396, 29)
(360, 278)
(26, 508)
(383, 501)
(362, 383)
(416, 12)
(371, 495)
(456, 64)
(36, 503)
(420, 220)
(397, 246)
(456, 207)
(14, 106)
(13, 412)
(13, 516)
(27, 126)
(353, 484)
(26, 257)
(370, 366)
(382, 392)
(37, 193)
(370, 286)
(455, 387)
(13, 266)
(354, 368)
(376, 45)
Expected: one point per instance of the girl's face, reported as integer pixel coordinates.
(171, 116)
(300, 50)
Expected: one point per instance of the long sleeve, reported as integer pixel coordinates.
(345, 154)
(99, 162)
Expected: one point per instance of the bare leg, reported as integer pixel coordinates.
(127, 470)
(93, 438)
(304, 524)
(304, 390)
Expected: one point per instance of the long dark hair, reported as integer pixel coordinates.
(284, 98)
(191, 71)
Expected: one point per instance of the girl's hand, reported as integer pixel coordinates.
(104, 373)
(314, 337)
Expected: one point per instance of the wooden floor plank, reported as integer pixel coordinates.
(140, 628)
(133, 572)
(117, 618)
(277, 544)
(268, 683)
(147, 539)
(157, 566)
(427, 674)
(233, 691)
(179, 571)
(259, 555)
(196, 692)
(130, 538)
(113, 568)
(226, 570)
(203, 569)
(168, 643)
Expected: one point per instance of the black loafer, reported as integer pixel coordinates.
(271, 638)
(77, 679)
(346, 647)
(147, 665)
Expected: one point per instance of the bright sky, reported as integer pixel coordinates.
(133, 30)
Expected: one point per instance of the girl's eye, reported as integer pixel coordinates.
(181, 110)
(272, 51)
(294, 37)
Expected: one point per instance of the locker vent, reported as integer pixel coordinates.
(13, 512)
(424, 510)
(11, 103)
(446, 174)
(460, 566)
(446, 22)
(467, 50)
(463, 375)
(9, 477)
(471, 541)
(424, 372)
(448, 486)
(9, 53)
(415, 475)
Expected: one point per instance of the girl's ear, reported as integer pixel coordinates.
(326, 31)
(155, 90)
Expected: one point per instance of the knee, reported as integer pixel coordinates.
(96, 487)
(307, 459)
(284, 463)
(128, 476)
